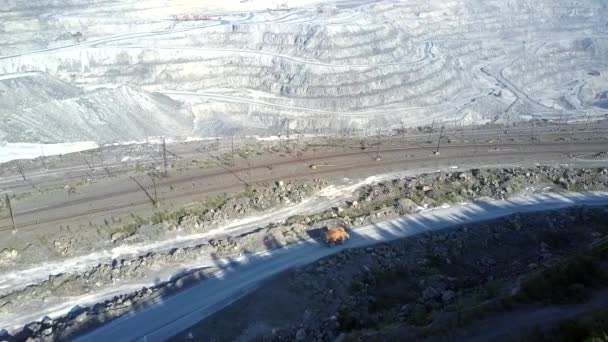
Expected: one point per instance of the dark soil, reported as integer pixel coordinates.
(432, 286)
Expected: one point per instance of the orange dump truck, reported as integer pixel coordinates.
(336, 235)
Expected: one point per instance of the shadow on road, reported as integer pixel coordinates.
(193, 295)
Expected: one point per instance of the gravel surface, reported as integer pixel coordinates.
(420, 287)
(370, 204)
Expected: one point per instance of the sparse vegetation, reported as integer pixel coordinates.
(569, 281)
(123, 232)
(593, 327)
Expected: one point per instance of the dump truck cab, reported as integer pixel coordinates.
(336, 235)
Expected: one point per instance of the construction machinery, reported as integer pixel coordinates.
(336, 235)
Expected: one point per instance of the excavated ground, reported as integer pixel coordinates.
(372, 203)
(501, 280)
(333, 66)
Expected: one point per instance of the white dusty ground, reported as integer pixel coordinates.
(113, 71)
(11, 151)
(330, 196)
(176, 313)
(21, 277)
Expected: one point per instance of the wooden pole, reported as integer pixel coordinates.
(533, 127)
(152, 199)
(165, 170)
(232, 141)
(378, 145)
(154, 184)
(249, 169)
(42, 158)
(10, 210)
(91, 166)
(431, 131)
(20, 167)
(498, 137)
(439, 140)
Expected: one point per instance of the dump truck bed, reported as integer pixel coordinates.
(336, 235)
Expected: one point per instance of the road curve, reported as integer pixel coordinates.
(163, 318)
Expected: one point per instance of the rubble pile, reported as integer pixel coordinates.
(370, 204)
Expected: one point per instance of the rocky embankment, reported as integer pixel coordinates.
(370, 204)
(209, 213)
(432, 285)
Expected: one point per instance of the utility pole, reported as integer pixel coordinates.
(586, 122)
(42, 158)
(249, 169)
(572, 131)
(152, 199)
(313, 165)
(20, 167)
(378, 146)
(154, 184)
(165, 171)
(533, 128)
(91, 166)
(22, 172)
(10, 210)
(439, 140)
(462, 132)
(431, 132)
(232, 148)
(498, 133)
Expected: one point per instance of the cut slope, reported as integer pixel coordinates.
(335, 66)
(39, 108)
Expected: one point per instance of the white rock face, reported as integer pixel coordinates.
(38, 108)
(313, 68)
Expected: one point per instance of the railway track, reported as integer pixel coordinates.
(517, 133)
(508, 150)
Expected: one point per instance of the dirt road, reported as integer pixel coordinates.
(165, 317)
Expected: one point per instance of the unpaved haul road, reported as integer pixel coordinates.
(163, 318)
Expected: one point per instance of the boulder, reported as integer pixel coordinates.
(407, 205)
(83, 316)
(189, 222)
(428, 202)
(117, 236)
(47, 332)
(8, 255)
(301, 335)
(34, 327)
(47, 321)
(430, 293)
(447, 295)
